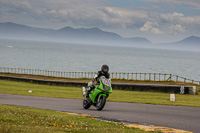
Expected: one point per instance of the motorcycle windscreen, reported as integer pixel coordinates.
(106, 83)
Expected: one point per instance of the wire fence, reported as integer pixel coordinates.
(114, 75)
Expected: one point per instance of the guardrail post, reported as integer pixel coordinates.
(164, 77)
(159, 77)
(149, 76)
(136, 76)
(170, 77)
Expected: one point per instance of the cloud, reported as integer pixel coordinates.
(152, 27)
(193, 3)
(175, 14)
(90, 13)
(96, 16)
(177, 20)
(148, 19)
(175, 29)
(171, 17)
(15, 5)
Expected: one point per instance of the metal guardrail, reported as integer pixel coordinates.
(114, 75)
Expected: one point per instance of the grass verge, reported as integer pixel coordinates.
(22, 88)
(14, 119)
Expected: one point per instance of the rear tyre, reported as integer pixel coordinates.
(86, 104)
(101, 102)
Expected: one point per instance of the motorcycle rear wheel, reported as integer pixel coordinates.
(101, 103)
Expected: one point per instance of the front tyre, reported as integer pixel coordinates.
(86, 104)
(101, 102)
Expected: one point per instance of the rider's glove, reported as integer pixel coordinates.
(95, 83)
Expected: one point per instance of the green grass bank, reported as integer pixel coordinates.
(22, 88)
(14, 119)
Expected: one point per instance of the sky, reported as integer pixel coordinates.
(160, 21)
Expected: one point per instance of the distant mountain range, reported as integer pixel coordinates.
(194, 40)
(191, 43)
(67, 34)
(88, 36)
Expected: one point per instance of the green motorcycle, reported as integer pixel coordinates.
(98, 95)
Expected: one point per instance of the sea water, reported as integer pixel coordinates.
(70, 57)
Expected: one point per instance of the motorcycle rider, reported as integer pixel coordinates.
(95, 80)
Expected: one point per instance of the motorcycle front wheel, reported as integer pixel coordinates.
(101, 102)
(86, 104)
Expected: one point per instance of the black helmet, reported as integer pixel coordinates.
(105, 68)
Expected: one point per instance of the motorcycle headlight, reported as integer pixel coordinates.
(106, 88)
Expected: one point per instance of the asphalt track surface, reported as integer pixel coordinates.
(178, 117)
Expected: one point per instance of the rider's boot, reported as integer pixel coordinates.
(89, 90)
